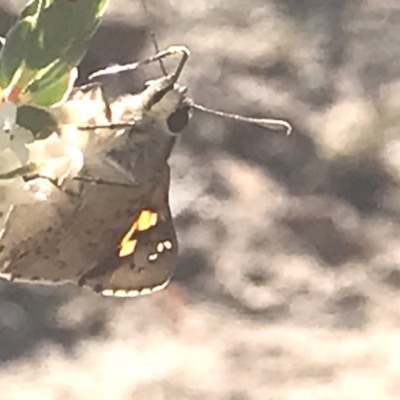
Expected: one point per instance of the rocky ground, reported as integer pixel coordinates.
(287, 287)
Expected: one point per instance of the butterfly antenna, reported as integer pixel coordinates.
(154, 39)
(157, 49)
(171, 51)
(269, 123)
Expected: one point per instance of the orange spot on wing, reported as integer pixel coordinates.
(145, 220)
(127, 248)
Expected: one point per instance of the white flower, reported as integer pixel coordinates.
(12, 190)
(13, 136)
(13, 155)
(55, 159)
(79, 112)
(8, 161)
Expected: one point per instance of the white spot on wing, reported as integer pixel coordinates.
(160, 287)
(145, 291)
(7, 276)
(134, 293)
(120, 293)
(160, 247)
(167, 244)
(153, 257)
(108, 292)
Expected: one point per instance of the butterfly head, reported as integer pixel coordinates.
(167, 103)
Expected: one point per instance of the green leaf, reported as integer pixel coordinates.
(18, 42)
(37, 120)
(13, 52)
(50, 39)
(32, 9)
(57, 69)
(47, 76)
(61, 27)
(56, 90)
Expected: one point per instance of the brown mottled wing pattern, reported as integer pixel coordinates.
(80, 240)
(78, 237)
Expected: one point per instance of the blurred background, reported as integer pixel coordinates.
(288, 281)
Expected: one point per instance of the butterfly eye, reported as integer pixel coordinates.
(178, 119)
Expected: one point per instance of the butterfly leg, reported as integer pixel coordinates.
(83, 178)
(33, 181)
(100, 181)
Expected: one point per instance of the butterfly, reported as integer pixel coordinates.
(111, 227)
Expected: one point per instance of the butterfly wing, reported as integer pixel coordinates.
(117, 239)
(145, 254)
(84, 237)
